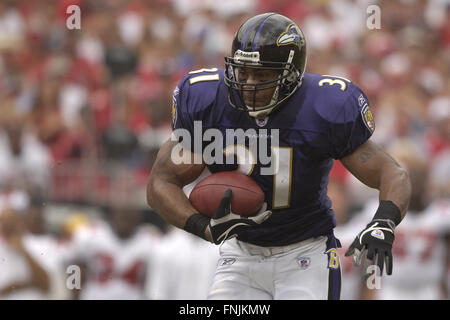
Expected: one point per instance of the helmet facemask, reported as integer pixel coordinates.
(284, 85)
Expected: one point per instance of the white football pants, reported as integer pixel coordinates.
(306, 270)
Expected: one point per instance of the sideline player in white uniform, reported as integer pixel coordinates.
(184, 267)
(185, 264)
(113, 257)
(422, 247)
(420, 253)
(29, 263)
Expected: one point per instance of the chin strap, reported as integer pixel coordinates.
(260, 114)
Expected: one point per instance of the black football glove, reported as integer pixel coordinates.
(375, 240)
(225, 224)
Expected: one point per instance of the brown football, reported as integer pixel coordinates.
(247, 197)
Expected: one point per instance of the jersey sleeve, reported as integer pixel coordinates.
(353, 123)
(191, 103)
(180, 118)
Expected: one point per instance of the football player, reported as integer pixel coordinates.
(287, 251)
(29, 264)
(422, 248)
(113, 257)
(184, 267)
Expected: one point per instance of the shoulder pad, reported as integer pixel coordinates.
(333, 93)
(345, 110)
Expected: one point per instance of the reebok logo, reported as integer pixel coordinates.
(377, 234)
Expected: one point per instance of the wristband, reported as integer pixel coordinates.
(196, 224)
(388, 210)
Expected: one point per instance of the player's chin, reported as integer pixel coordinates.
(254, 103)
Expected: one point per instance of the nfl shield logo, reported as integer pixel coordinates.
(304, 263)
(262, 122)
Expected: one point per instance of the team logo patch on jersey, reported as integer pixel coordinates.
(262, 122)
(292, 35)
(174, 106)
(377, 234)
(361, 100)
(304, 263)
(368, 118)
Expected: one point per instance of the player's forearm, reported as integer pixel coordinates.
(40, 278)
(167, 198)
(15, 287)
(164, 189)
(364, 292)
(395, 186)
(377, 169)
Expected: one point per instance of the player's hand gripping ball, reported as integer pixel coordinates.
(226, 225)
(247, 199)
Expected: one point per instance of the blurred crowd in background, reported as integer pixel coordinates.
(83, 113)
